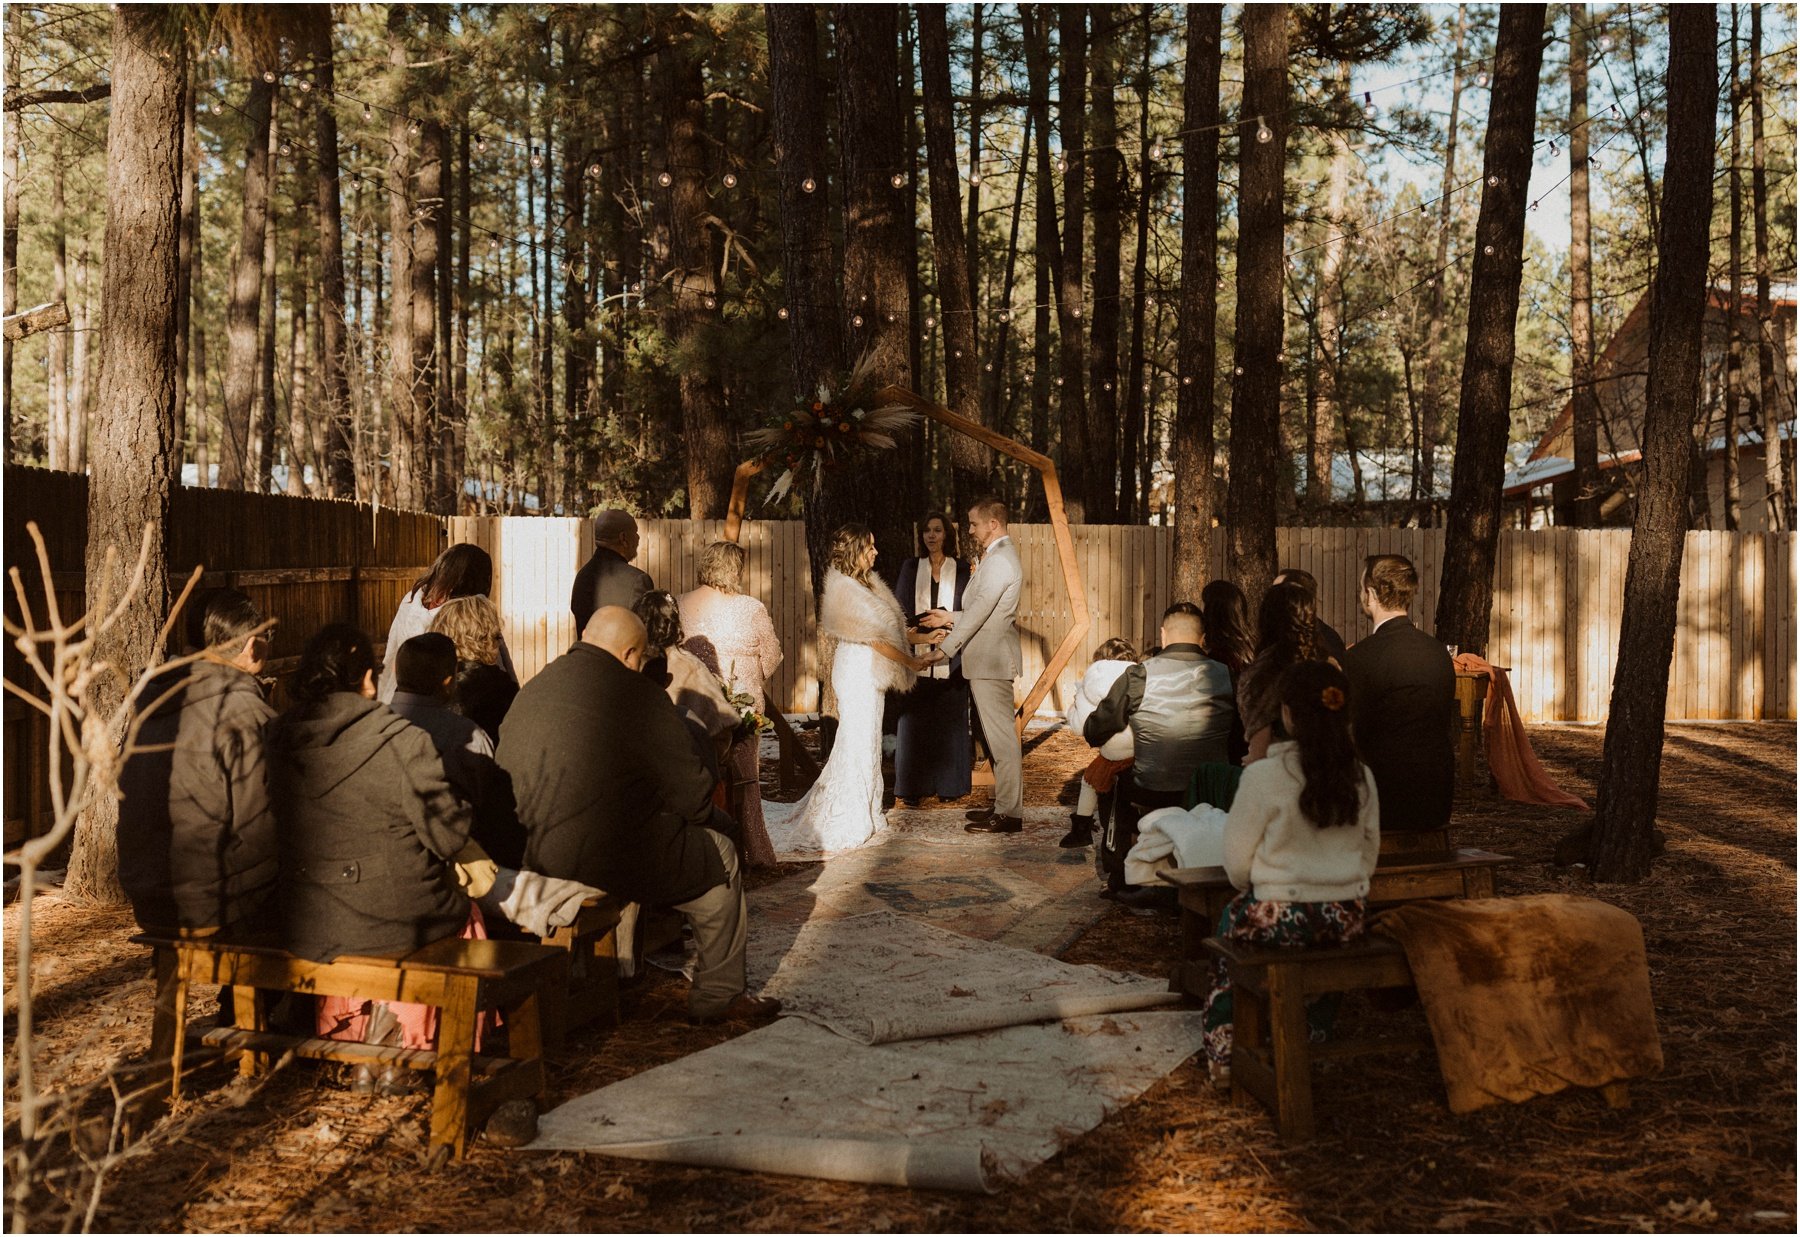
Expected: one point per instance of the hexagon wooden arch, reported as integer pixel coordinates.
(1059, 524)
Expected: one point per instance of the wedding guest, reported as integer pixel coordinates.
(461, 571)
(691, 685)
(608, 578)
(1287, 632)
(1331, 644)
(1403, 702)
(1300, 842)
(484, 691)
(932, 754)
(732, 633)
(1225, 626)
(1111, 660)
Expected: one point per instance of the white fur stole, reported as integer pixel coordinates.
(859, 615)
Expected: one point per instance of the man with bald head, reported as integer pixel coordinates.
(1179, 707)
(613, 794)
(608, 578)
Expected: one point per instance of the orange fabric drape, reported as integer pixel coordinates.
(1509, 753)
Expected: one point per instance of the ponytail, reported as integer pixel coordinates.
(1316, 696)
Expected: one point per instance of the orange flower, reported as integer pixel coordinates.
(817, 406)
(1332, 698)
(843, 427)
(818, 442)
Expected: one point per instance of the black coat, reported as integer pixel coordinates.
(483, 695)
(609, 787)
(606, 579)
(196, 836)
(368, 825)
(1402, 705)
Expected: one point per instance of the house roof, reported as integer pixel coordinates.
(1542, 470)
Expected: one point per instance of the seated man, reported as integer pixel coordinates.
(612, 794)
(197, 844)
(608, 578)
(1331, 644)
(1402, 702)
(1178, 705)
(424, 672)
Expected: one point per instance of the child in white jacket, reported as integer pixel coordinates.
(1300, 842)
(1111, 659)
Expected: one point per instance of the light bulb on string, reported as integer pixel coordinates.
(897, 181)
(1059, 382)
(286, 149)
(537, 160)
(808, 185)
(305, 86)
(1534, 206)
(989, 367)
(959, 354)
(1488, 249)
(367, 114)
(1187, 380)
(665, 179)
(1481, 80)
(593, 171)
(712, 303)
(730, 180)
(1062, 163)
(930, 322)
(481, 145)
(1493, 182)
(1264, 134)
(888, 318)
(856, 320)
(1237, 371)
(1075, 312)
(1156, 149)
(1005, 315)
(1606, 42)
(413, 128)
(1368, 105)
(975, 179)
(782, 313)
(1106, 386)
(269, 76)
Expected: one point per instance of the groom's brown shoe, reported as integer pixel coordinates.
(979, 813)
(995, 824)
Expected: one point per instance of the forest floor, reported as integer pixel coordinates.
(1707, 1145)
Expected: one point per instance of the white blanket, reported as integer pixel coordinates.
(1172, 837)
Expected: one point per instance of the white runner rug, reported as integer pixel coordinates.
(967, 1112)
(883, 977)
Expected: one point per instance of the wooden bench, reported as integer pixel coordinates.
(1271, 1053)
(460, 977)
(592, 943)
(1415, 868)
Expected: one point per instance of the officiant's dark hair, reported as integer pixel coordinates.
(847, 546)
(951, 541)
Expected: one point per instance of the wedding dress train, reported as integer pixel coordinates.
(843, 809)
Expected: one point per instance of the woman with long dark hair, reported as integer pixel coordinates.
(369, 832)
(1300, 842)
(463, 570)
(932, 752)
(1225, 626)
(1286, 634)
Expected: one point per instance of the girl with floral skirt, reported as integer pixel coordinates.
(1301, 842)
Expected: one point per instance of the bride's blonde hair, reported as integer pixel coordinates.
(848, 546)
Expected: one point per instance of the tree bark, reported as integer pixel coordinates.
(999, 383)
(1046, 269)
(972, 229)
(14, 45)
(299, 374)
(334, 382)
(136, 453)
(460, 389)
(1734, 310)
(1136, 379)
(1631, 760)
(1586, 400)
(403, 449)
(1071, 309)
(1484, 416)
(971, 463)
(244, 310)
(1778, 469)
(1109, 233)
(190, 234)
(1193, 431)
(1256, 382)
(80, 317)
(1324, 414)
(428, 209)
(56, 343)
(1424, 481)
(877, 218)
(265, 346)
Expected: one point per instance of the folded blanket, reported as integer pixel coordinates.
(1172, 837)
(537, 903)
(1515, 766)
(1527, 996)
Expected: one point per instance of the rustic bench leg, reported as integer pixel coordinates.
(1478, 883)
(603, 971)
(247, 1014)
(168, 1033)
(1291, 1054)
(1248, 1026)
(455, 1058)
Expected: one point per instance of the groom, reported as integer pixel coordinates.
(989, 644)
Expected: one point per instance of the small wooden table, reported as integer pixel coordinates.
(1471, 693)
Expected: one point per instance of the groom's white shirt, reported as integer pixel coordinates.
(984, 633)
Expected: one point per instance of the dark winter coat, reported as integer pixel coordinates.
(609, 787)
(483, 695)
(369, 824)
(196, 836)
(606, 579)
(1402, 704)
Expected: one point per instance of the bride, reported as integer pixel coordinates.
(843, 808)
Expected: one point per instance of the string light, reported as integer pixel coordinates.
(413, 129)
(1488, 249)
(269, 76)
(1264, 134)
(1005, 315)
(1606, 42)
(1062, 163)
(1156, 149)
(711, 303)
(593, 171)
(665, 179)
(1368, 105)
(897, 181)
(930, 322)
(975, 179)
(808, 185)
(1187, 380)
(782, 313)
(480, 142)
(1481, 80)
(856, 320)
(305, 86)
(730, 180)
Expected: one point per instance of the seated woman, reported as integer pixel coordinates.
(1300, 842)
(369, 831)
(463, 570)
(1287, 633)
(484, 690)
(1112, 659)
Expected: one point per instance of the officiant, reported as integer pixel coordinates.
(932, 752)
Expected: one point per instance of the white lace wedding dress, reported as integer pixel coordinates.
(843, 809)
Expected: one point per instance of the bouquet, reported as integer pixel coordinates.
(823, 432)
(750, 722)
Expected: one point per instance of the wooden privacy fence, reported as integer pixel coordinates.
(304, 562)
(1555, 622)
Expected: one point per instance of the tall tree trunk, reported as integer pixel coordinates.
(1631, 761)
(971, 463)
(1046, 269)
(1329, 298)
(1586, 401)
(1256, 381)
(811, 278)
(460, 392)
(921, 445)
(546, 358)
(972, 229)
(1431, 417)
(14, 46)
(428, 189)
(705, 425)
(877, 217)
(1071, 309)
(190, 229)
(1484, 416)
(1734, 310)
(1136, 378)
(1000, 378)
(265, 348)
(136, 453)
(334, 383)
(1109, 235)
(299, 408)
(404, 448)
(244, 310)
(1193, 432)
(57, 344)
(1778, 469)
(81, 317)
